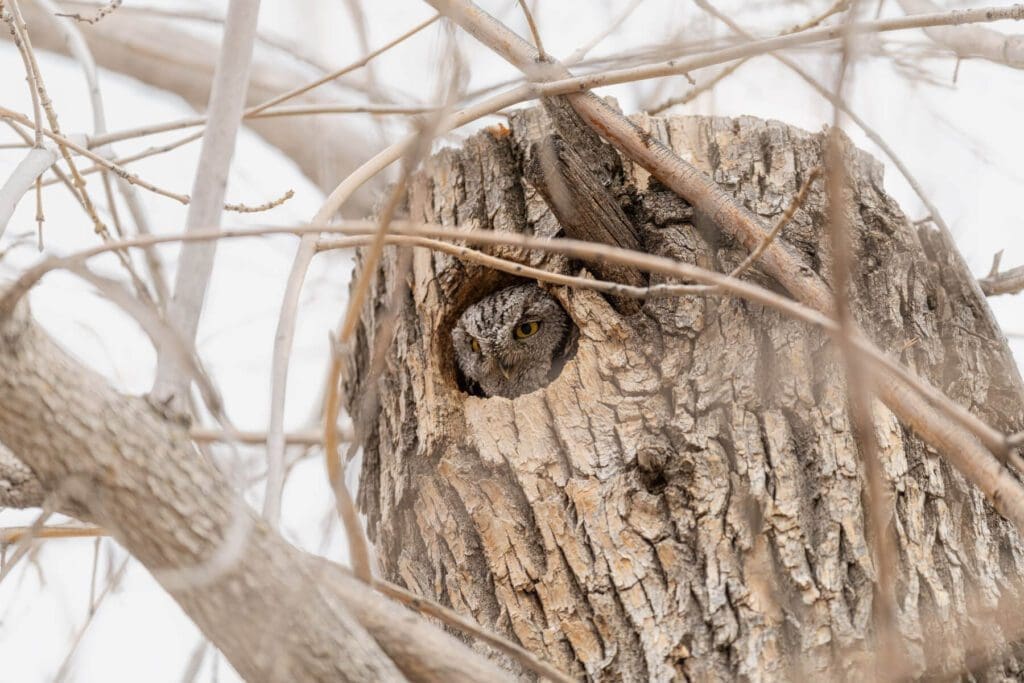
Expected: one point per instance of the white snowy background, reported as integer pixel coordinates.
(964, 140)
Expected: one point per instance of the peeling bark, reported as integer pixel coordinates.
(686, 498)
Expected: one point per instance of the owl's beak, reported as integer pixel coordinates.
(506, 370)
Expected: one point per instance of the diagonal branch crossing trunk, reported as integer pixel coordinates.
(686, 499)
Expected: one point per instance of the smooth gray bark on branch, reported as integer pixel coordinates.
(195, 264)
(971, 41)
(24, 175)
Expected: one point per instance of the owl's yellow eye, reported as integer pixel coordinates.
(524, 330)
(475, 345)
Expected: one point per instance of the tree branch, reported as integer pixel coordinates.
(181, 62)
(971, 41)
(77, 47)
(1003, 282)
(21, 180)
(275, 612)
(195, 265)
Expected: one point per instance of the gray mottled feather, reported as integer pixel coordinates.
(507, 366)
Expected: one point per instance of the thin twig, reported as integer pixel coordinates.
(471, 628)
(973, 42)
(51, 116)
(783, 220)
(671, 67)
(112, 583)
(273, 112)
(537, 43)
(697, 91)
(24, 544)
(13, 534)
(66, 144)
(37, 114)
(581, 52)
(148, 152)
(103, 11)
(266, 206)
(1006, 282)
(204, 435)
(366, 59)
(78, 48)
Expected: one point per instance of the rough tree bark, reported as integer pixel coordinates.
(686, 499)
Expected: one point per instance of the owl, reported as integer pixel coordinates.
(508, 342)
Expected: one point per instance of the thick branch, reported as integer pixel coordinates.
(275, 612)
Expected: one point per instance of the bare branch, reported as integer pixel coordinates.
(22, 179)
(103, 11)
(180, 61)
(568, 84)
(79, 50)
(972, 42)
(70, 146)
(195, 265)
(267, 206)
(1005, 282)
(312, 620)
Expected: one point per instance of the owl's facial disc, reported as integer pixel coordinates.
(507, 342)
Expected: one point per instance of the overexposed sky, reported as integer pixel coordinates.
(963, 140)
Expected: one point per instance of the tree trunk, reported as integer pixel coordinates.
(686, 499)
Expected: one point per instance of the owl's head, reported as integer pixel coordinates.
(507, 342)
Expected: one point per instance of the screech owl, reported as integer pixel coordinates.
(507, 342)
